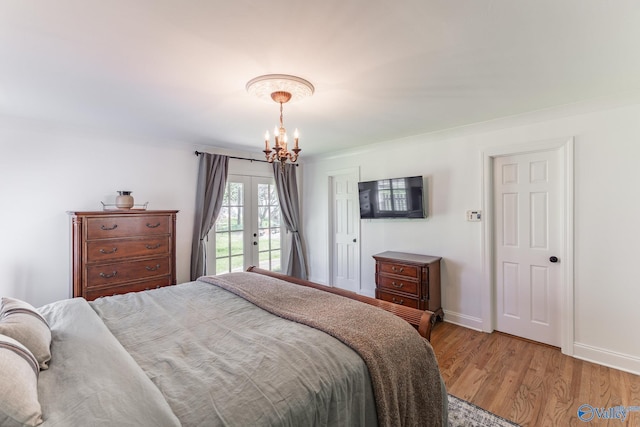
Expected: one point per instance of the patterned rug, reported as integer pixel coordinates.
(466, 414)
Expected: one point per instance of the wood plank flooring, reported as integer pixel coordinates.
(529, 383)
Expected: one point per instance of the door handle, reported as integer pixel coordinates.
(553, 259)
(355, 240)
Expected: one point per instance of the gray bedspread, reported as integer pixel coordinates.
(407, 385)
(92, 380)
(221, 361)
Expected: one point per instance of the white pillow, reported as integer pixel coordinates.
(18, 384)
(22, 322)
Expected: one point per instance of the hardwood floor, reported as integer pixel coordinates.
(529, 383)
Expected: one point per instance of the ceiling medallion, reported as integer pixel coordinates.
(280, 88)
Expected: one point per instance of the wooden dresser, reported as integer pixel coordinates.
(115, 252)
(411, 280)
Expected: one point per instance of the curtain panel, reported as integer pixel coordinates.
(287, 187)
(212, 179)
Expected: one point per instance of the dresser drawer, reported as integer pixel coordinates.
(398, 284)
(106, 250)
(397, 299)
(123, 226)
(112, 273)
(400, 269)
(146, 285)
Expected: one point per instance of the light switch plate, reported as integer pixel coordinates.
(474, 216)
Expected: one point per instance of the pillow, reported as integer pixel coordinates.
(18, 384)
(20, 321)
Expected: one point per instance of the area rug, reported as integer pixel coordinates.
(466, 414)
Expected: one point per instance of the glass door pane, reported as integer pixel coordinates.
(269, 226)
(229, 229)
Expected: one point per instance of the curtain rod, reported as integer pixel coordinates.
(242, 158)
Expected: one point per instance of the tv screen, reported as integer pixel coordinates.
(392, 198)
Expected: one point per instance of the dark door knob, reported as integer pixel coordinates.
(553, 259)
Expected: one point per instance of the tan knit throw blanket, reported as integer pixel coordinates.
(404, 372)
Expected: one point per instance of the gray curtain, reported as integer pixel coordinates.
(287, 187)
(212, 179)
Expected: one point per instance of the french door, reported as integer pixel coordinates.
(248, 228)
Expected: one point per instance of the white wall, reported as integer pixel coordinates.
(45, 172)
(607, 208)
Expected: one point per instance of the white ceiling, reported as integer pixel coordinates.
(382, 69)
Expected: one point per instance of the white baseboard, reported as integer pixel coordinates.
(612, 359)
(470, 322)
(367, 292)
(599, 356)
(318, 281)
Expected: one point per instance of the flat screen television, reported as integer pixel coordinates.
(392, 198)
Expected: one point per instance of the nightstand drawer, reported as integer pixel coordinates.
(398, 284)
(400, 269)
(397, 299)
(107, 250)
(113, 273)
(121, 226)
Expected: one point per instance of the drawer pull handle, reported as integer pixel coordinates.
(397, 286)
(108, 276)
(112, 251)
(153, 268)
(399, 301)
(153, 226)
(399, 270)
(102, 227)
(153, 247)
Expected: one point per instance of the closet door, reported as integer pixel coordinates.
(528, 242)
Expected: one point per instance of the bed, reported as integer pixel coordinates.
(244, 349)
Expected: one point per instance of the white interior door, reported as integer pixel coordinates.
(248, 230)
(528, 212)
(345, 231)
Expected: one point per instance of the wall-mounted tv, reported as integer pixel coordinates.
(392, 198)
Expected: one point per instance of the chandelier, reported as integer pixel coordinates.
(280, 88)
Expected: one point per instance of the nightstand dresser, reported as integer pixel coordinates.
(115, 252)
(409, 279)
